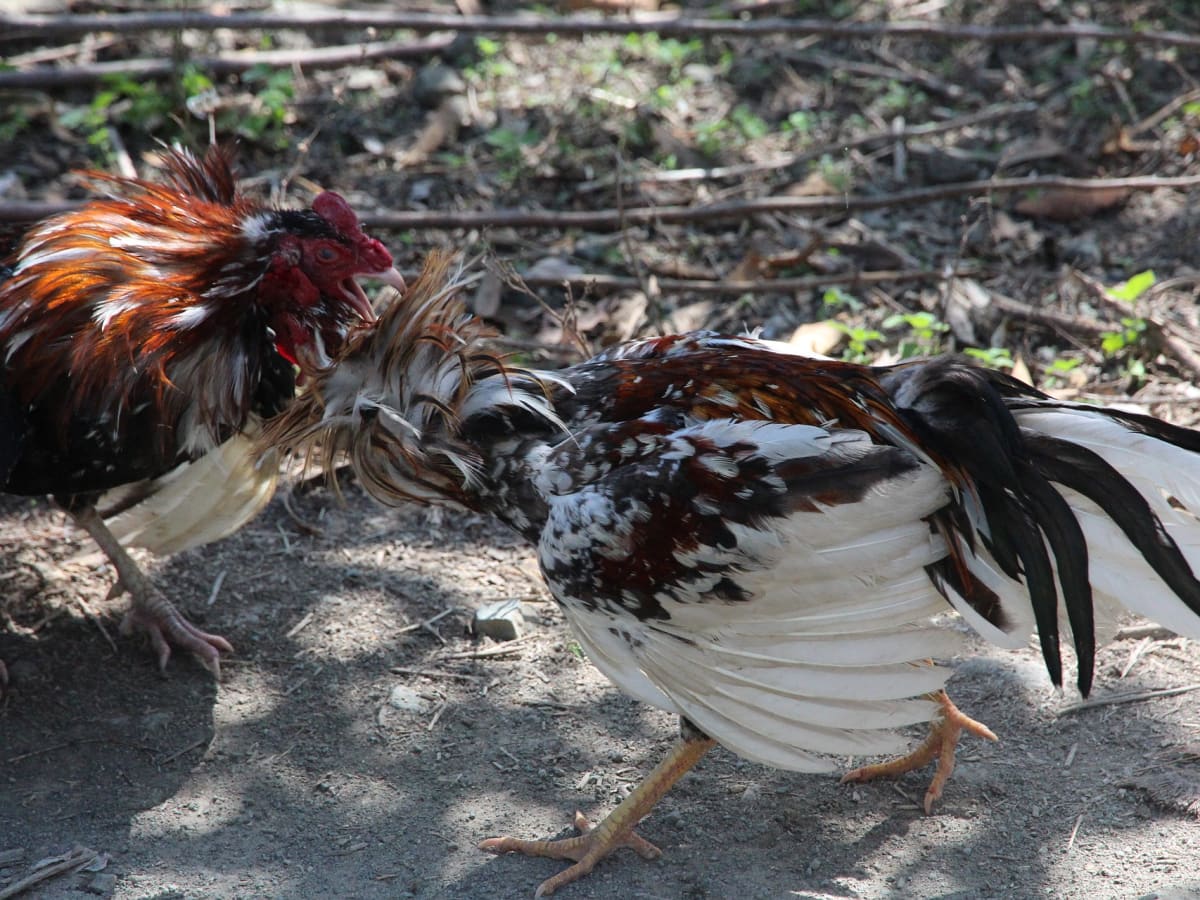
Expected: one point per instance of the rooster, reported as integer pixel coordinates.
(759, 541)
(143, 339)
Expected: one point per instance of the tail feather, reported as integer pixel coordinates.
(195, 503)
(1063, 500)
(1148, 488)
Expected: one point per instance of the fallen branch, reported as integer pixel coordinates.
(672, 176)
(1080, 325)
(1132, 697)
(78, 858)
(759, 286)
(745, 209)
(709, 212)
(18, 26)
(226, 64)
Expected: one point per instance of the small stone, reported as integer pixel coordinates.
(501, 621)
(102, 883)
(407, 699)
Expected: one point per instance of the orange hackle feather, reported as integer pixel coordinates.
(130, 284)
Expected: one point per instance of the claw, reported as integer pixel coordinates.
(944, 733)
(615, 830)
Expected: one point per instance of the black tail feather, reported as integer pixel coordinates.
(959, 413)
(1084, 471)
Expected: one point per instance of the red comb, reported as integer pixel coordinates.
(334, 209)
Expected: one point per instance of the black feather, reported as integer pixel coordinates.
(1082, 470)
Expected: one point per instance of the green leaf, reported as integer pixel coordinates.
(1133, 288)
(1113, 342)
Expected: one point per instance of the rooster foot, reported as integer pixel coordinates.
(616, 830)
(157, 616)
(151, 612)
(592, 845)
(944, 732)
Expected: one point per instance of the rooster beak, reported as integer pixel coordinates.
(392, 278)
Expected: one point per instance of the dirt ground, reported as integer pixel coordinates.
(297, 776)
(351, 750)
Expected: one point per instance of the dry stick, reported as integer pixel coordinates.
(226, 64)
(1133, 697)
(709, 212)
(77, 858)
(42, 27)
(430, 673)
(782, 162)
(758, 286)
(744, 209)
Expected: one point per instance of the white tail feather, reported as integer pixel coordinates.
(200, 501)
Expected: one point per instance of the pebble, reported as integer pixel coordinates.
(501, 621)
(407, 699)
(102, 883)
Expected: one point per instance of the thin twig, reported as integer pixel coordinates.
(513, 646)
(216, 588)
(199, 742)
(226, 64)
(42, 27)
(672, 176)
(1133, 697)
(1074, 832)
(428, 623)
(430, 673)
(758, 286)
(709, 212)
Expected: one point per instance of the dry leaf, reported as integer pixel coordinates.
(750, 268)
(1070, 203)
(1020, 371)
(814, 185)
(817, 338)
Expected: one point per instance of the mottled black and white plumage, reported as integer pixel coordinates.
(757, 540)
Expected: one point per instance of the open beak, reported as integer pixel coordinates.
(353, 293)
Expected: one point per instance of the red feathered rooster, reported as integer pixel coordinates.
(759, 541)
(158, 326)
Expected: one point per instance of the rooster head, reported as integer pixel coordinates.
(310, 289)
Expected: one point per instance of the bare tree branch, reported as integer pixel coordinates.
(758, 286)
(740, 170)
(23, 26)
(710, 212)
(226, 64)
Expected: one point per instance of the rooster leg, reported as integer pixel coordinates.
(151, 611)
(616, 830)
(944, 732)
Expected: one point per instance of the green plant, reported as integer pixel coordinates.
(992, 357)
(798, 122)
(741, 125)
(1137, 285)
(857, 339)
(835, 298)
(924, 333)
(272, 99)
(1131, 331)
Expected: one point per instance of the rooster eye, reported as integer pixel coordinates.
(326, 254)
